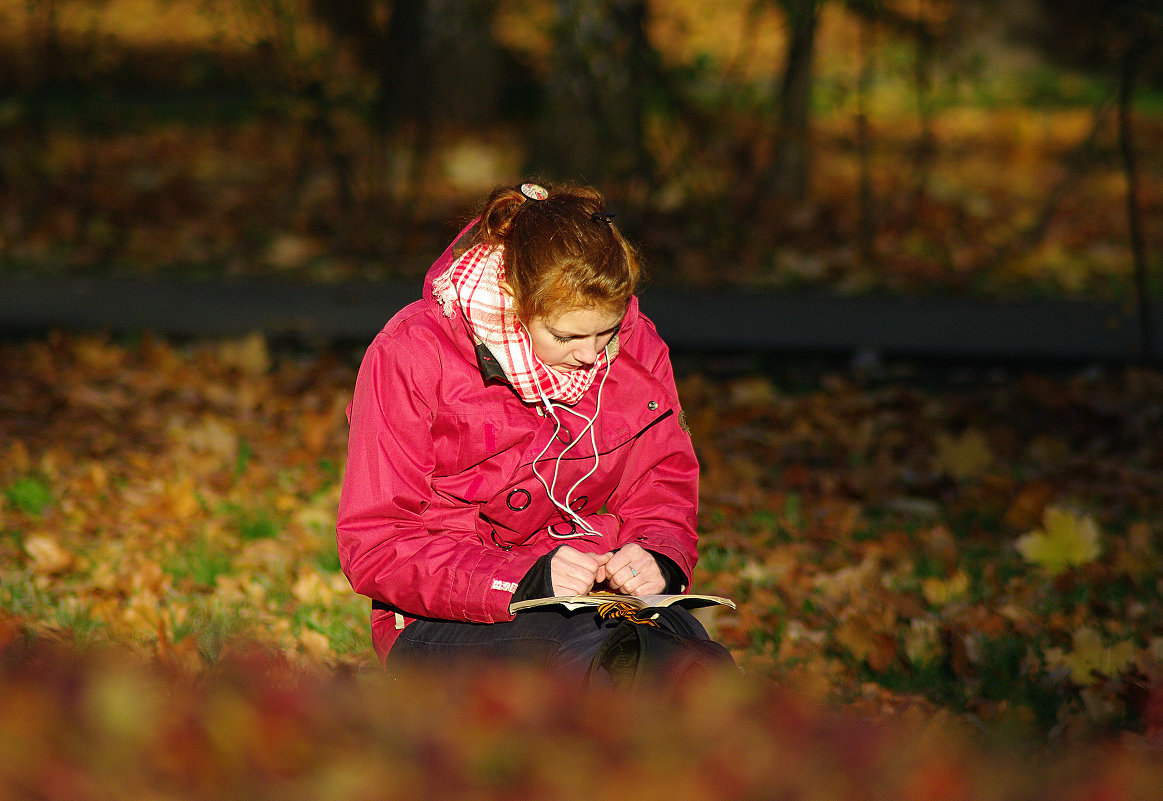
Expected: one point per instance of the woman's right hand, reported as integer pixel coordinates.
(572, 572)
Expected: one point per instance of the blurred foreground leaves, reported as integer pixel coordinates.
(85, 726)
(977, 548)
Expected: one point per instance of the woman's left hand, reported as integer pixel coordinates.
(632, 570)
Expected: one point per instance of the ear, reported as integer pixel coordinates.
(506, 289)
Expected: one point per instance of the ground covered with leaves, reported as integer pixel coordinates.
(916, 549)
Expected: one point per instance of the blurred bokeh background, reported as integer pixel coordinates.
(968, 146)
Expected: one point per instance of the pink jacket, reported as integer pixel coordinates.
(441, 514)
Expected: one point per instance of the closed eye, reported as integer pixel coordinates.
(565, 338)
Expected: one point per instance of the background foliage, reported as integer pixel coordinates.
(930, 144)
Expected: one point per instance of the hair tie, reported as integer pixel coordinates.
(601, 216)
(534, 191)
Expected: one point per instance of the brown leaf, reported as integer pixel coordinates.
(1026, 509)
(870, 636)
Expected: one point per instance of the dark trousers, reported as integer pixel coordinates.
(549, 638)
(545, 637)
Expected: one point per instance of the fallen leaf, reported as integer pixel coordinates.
(870, 636)
(1065, 540)
(1028, 506)
(211, 435)
(1091, 658)
(315, 644)
(939, 592)
(47, 555)
(310, 589)
(922, 641)
(249, 355)
(964, 457)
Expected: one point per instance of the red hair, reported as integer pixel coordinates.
(560, 252)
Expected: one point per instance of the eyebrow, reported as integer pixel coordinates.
(568, 335)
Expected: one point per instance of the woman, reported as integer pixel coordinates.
(516, 434)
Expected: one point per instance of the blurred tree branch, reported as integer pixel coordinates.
(1146, 26)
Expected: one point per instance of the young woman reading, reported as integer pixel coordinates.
(516, 434)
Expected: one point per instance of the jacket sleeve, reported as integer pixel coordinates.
(657, 497)
(387, 548)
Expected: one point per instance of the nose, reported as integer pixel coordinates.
(587, 351)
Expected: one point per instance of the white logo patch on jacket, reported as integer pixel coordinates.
(507, 586)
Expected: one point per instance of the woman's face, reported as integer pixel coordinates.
(573, 339)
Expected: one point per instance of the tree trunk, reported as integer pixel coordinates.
(790, 171)
(866, 235)
(1129, 72)
(591, 127)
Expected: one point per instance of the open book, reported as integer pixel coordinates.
(572, 602)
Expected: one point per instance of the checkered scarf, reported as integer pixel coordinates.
(471, 284)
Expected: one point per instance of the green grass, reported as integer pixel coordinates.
(344, 631)
(213, 626)
(200, 563)
(20, 596)
(30, 494)
(252, 524)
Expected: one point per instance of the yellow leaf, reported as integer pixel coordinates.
(249, 355)
(967, 456)
(48, 557)
(148, 575)
(315, 644)
(310, 589)
(142, 615)
(922, 641)
(1065, 540)
(1091, 658)
(211, 435)
(939, 592)
(315, 518)
(182, 495)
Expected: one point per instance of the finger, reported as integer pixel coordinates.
(648, 581)
(651, 587)
(632, 554)
(618, 563)
(576, 559)
(577, 573)
(571, 585)
(624, 579)
(569, 577)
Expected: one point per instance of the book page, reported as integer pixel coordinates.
(573, 602)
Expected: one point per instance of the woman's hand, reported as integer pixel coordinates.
(572, 572)
(633, 571)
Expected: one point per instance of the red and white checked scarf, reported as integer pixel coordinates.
(471, 284)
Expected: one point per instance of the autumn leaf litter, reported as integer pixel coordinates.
(988, 548)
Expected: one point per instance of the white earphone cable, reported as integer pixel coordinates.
(581, 528)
